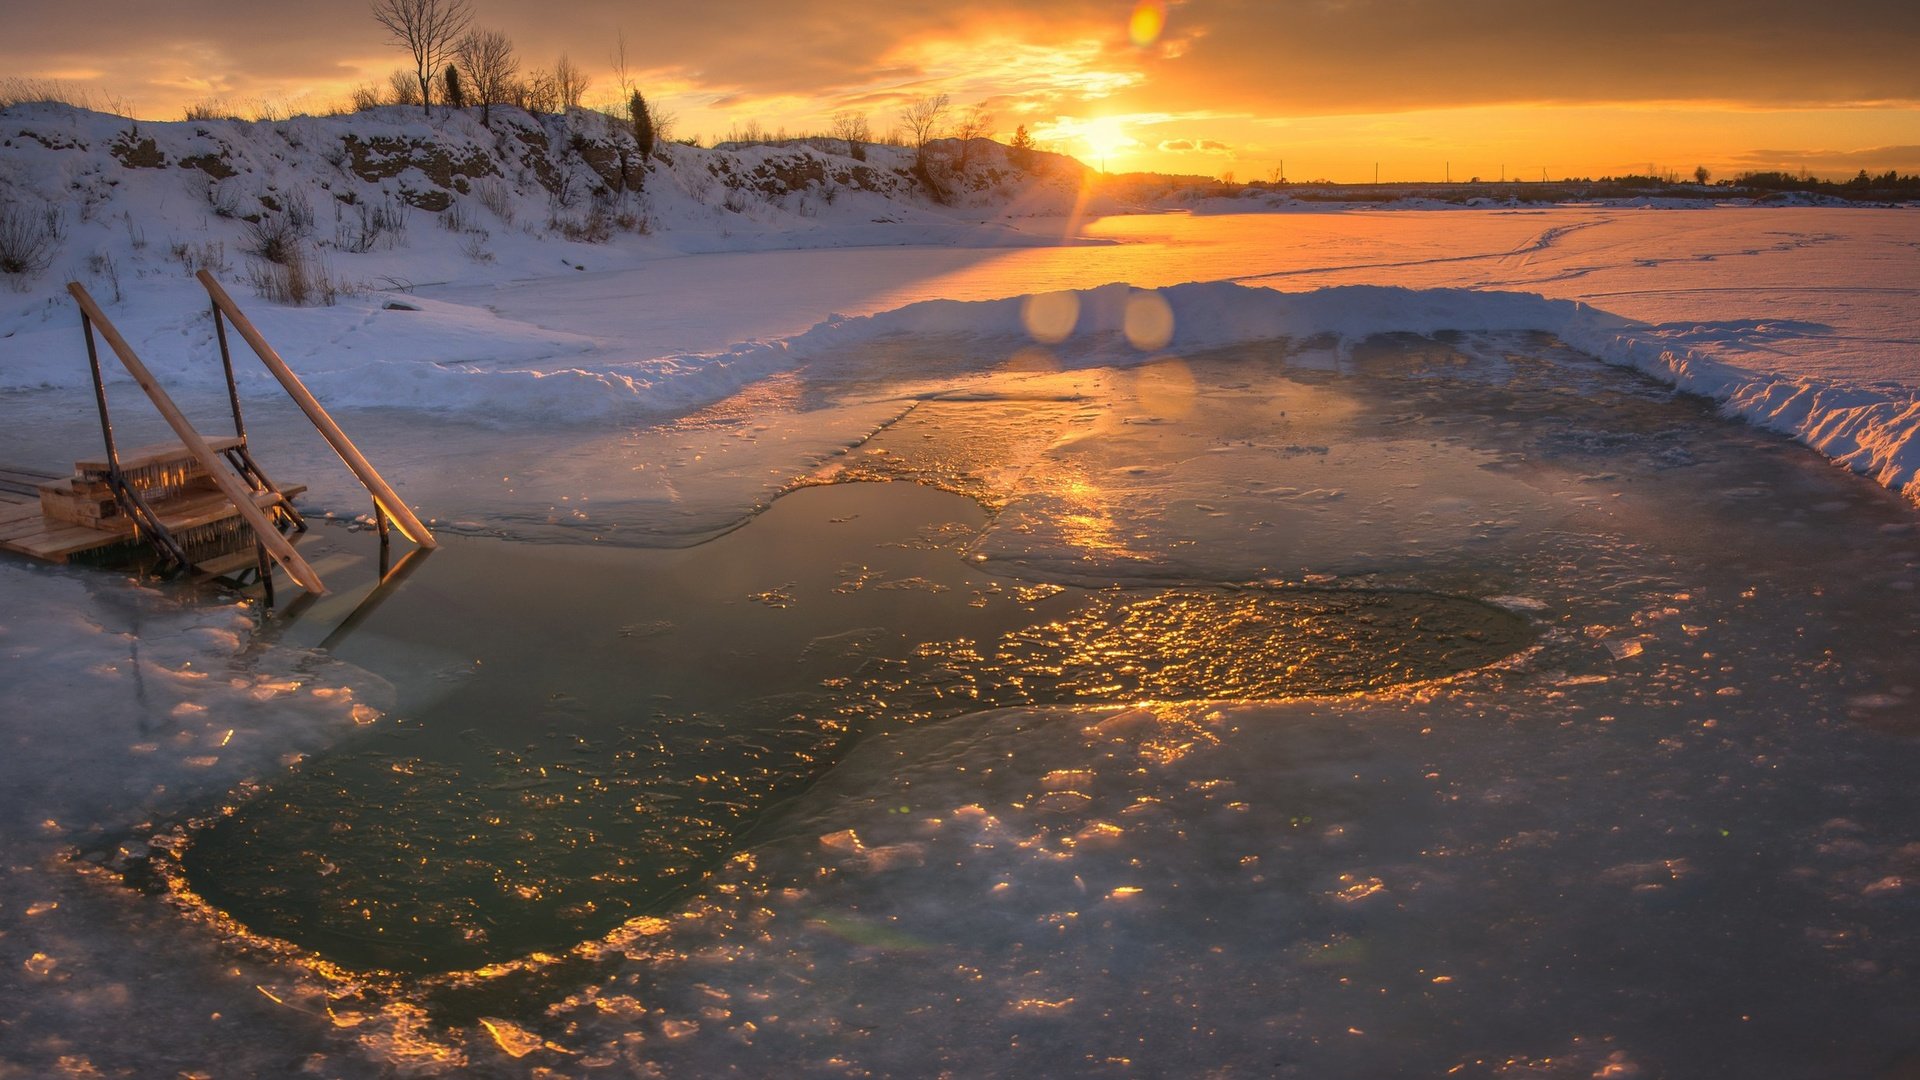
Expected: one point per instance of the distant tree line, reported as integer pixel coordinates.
(1863, 185)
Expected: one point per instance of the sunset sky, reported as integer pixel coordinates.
(1328, 87)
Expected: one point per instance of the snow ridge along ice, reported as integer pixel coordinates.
(454, 359)
(1873, 430)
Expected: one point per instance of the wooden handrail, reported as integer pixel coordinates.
(384, 496)
(216, 466)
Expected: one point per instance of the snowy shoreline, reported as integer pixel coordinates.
(589, 286)
(521, 375)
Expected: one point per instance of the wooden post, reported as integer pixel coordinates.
(383, 496)
(223, 476)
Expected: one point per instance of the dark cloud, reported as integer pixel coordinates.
(1336, 56)
(1874, 159)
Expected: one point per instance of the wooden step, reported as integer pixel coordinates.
(78, 503)
(192, 511)
(142, 457)
(31, 533)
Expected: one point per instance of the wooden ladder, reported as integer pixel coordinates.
(167, 492)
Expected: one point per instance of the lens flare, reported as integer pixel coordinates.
(1148, 20)
(1050, 317)
(1149, 321)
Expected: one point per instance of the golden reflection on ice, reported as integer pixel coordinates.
(513, 1040)
(1355, 888)
(1167, 387)
(1085, 517)
(1032, 359)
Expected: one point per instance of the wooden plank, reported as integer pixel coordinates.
(55, 541)
(58, 542)
(14, 513)
(208, 512)
(21, 482)
(236, 490)
(384, 496)
(156, 454)
(13, 530)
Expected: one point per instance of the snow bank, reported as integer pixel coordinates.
(1873, 430)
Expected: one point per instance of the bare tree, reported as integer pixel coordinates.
(974, 123)
(618, 57)
(487, 58)
(569, 82)
(658, 121)
(1701, 175)
(403, 89)
(535, 93)
(852, 126)
(426, 28)
(924, 116)
(663, 120)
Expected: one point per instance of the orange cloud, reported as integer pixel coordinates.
(1190, 146)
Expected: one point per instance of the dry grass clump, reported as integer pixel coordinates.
(28, 240)
(15, 90)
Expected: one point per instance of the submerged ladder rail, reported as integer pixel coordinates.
(218, 469)
(387, 504)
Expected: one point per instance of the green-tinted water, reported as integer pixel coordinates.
(570, 777)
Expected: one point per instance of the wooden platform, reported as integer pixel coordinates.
(26, 528)
(18, 484)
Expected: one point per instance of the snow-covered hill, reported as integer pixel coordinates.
(388, 196)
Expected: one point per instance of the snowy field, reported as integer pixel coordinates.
(1673, 838)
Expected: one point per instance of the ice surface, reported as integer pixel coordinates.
(1679, 840)
(120, 702)
(1674, 839)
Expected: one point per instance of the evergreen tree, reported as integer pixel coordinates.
(1020, 148)
(642, 120)
(455, 97)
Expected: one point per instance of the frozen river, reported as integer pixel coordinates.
(1327, 704)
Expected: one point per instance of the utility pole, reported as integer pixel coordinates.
(1376, 174)
(1449, 172)
(1503, 173)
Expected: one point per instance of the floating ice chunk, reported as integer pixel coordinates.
(1625, 648)
(1518, 603)
(513, 1040)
